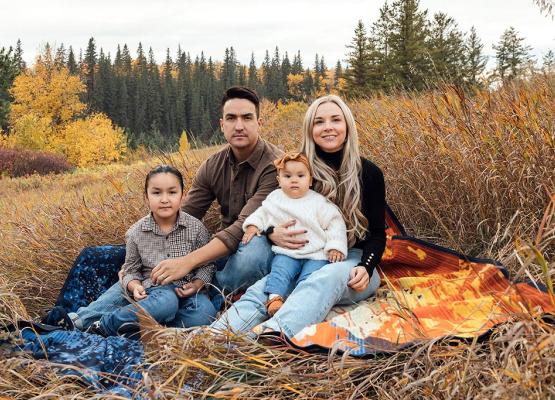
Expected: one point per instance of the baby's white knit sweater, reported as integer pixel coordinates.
(320, 217)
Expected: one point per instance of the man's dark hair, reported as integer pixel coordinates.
(242, 92)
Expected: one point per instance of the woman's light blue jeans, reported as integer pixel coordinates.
(308, 303)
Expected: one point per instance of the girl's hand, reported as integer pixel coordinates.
(286, 238)
(139, 293)
(335, 256)
(189, 289)
(249, 233)
(358, 279)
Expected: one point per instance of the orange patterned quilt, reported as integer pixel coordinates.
(427, 292)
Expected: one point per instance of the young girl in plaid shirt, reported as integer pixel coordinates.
(166, 232)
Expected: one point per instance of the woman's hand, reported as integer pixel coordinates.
(286, 238)
(189, 289)
(358, 279)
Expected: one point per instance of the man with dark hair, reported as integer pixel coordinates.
(239, 177)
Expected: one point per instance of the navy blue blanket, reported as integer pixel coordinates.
(113, 364)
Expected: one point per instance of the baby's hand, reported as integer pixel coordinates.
(139, 293)
(335, 256)
(249, 233)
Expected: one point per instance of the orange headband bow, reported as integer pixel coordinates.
(292, 156)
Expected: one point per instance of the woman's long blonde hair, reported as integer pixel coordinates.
(341, 187)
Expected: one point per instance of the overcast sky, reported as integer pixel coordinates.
(319, 26)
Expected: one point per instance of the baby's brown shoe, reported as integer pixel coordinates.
(273, 305)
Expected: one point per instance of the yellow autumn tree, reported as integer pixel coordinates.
(295, 86)
(184, 144)
(48, 92)
(31, 131)
(45, 115)
(91, 141)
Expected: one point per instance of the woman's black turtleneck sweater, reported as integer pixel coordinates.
(373, 207)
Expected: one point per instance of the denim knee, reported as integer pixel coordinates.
(250, 263)
(196, 310)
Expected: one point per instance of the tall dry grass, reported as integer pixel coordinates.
(471, 172)
(47, 220)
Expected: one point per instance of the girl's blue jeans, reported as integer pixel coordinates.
(113, 309)
(240, 270)
(308, 303)
(161, 304)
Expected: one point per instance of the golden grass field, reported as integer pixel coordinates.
(472, 172)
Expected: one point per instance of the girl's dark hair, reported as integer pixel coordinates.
(164, 169)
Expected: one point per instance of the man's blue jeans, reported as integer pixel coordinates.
(285, 270)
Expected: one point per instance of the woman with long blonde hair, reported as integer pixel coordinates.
(356, 186)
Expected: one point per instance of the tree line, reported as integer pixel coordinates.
(408, 50)
(404, 49)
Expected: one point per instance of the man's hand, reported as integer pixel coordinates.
(286, 238)
(358, 279)
(169, 270)
(190, 288)
(139, 292)
(335, 256)
(249, 233)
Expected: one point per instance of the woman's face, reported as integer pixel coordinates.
(329, 129)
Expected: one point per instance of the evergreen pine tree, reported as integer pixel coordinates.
(308, 83)
(9, 69)
(548, 64)
(71, 63)
(153, 104)
(475, 62)
(317, 74)
(18, 57)
(410, 62)
(89, 71)
(297, 65)
(139, 98)
(168, 109)
(512, 55)
(285, 71)
(60, 57)
(338, 74)
(359, 58)
(446, 47)
(252, 79)
(266, 72)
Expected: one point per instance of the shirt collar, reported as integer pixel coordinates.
(149, 224)
(254, 158)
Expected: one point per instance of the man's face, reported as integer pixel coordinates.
(240, 124)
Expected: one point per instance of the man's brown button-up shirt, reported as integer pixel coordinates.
(239, 188)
